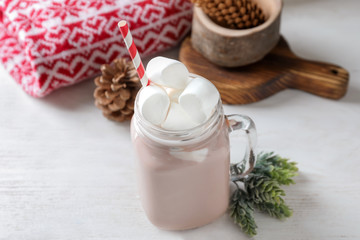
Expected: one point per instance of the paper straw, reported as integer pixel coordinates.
(134, 54)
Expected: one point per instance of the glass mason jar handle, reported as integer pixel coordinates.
(238, 122)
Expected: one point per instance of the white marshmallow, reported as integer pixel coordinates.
(154, 104)
(199, 99)
(177, 119)
(167, 72)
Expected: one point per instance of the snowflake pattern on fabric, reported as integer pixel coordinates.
(48, 44)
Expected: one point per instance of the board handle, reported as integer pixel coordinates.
(322, 79)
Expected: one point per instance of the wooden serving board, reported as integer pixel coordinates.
(279, 70)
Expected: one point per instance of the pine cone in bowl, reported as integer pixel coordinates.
(234, 14)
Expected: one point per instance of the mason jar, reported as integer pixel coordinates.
(183, 175)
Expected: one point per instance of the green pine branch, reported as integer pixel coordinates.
(280, 211)
(262, 191)
(275, 167)
(242, 212)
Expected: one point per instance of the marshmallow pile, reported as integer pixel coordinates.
(173, 100)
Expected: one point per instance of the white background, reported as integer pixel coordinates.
(67, 173)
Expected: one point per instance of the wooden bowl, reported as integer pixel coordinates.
(233, 48)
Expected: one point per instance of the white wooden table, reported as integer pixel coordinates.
(67, 173)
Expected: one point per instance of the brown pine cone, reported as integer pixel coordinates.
(234, 14)
(116, 90)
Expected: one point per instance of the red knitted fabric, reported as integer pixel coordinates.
(47, 44)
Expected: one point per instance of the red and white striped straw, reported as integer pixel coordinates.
(134, 54)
